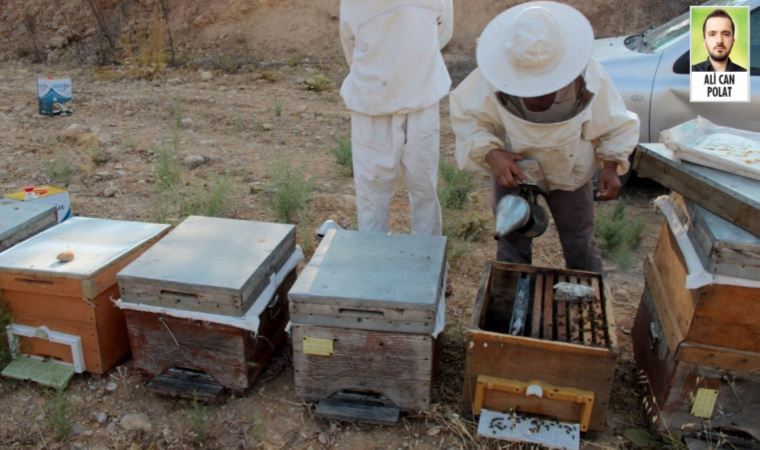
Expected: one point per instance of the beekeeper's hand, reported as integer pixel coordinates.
(504, 167)
(609, 182)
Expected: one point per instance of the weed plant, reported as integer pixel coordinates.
(277, 107)
(197, 417)
(342, 154)
(58, 171)
(213, 200)
(455, 186)
(58, 415)
(291, 191)
(5, 320)
(618, 234)
(317, 83)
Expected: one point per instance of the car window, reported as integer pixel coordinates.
(754, 42)
(661, 37)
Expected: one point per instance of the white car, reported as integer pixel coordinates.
(651, 72)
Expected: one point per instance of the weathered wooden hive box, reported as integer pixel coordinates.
(366, 311)
(21, 220)
(74, 297)
(564, 350)
(700, 348)
(210, 298)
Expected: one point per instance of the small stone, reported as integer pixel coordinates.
(58, 42)
(77, 429)
(433, 431)
(136, 421)
(175, 80)
(111, 386)
(193, 161)
(101, 417)
(206, 75)
(74, 189)
(322, 438)
(103, 175)
(186, 123)
(267, 127)
(110, 191)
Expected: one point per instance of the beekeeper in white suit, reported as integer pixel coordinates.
(537, 93)
(397, 78)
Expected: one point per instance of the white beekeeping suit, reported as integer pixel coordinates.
(397, 78)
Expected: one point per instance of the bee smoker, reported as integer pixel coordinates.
(520, 213)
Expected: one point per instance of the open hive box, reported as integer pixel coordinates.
(20, 220)
(206, 307)
(699, 346)
(62, 311)
(530, 352)
(366, 312)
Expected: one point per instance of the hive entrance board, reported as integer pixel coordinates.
(545, 317)
(518, 427)
(358, 407)
(47, 372)
(186, 383)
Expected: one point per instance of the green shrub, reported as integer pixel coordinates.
(618, 234)
(290, 191)
(342, 154)
(58, 171)
(58, 414)
(317, 83)
(197, 417)
(454, 186)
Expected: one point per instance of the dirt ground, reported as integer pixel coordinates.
(237, 125)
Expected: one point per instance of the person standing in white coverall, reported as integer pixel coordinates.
(397, 78)
(537, 93)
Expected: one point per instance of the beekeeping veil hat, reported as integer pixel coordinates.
(535, 48)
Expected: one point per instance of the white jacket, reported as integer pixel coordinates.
(393, 48)
(569, 152)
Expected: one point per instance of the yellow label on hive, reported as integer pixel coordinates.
(317, 346)
(704, 403)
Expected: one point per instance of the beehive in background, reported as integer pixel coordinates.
(19, 220)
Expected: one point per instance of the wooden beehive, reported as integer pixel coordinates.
(365, 312)
(569, 348)
(212, 265)
(690, 384)
(723, 316)
(74, 297)
(191, 299)
(21, 220)
(232, 356)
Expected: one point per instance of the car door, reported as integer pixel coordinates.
(670, 91)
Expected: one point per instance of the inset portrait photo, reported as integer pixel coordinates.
(720, 53)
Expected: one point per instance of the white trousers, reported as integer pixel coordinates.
(383, 147)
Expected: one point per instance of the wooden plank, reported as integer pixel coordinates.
(719, 357)
(398, 366)
(673, 333)
(587, 315)
(113, 340)
(727, 316)
(538, 299)
(357, 408)
(672, 270)
(187, 384)
(732, 197)
(609, 315)
(600, 329)
(548, 328)
(558, 363)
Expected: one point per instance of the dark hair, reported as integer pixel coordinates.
(718, 13)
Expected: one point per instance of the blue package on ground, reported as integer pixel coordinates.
(54, 94)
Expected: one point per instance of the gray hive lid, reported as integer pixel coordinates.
(723, 248)
(373, 270)
(96, 243)
(224, 257)
(18, 220)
